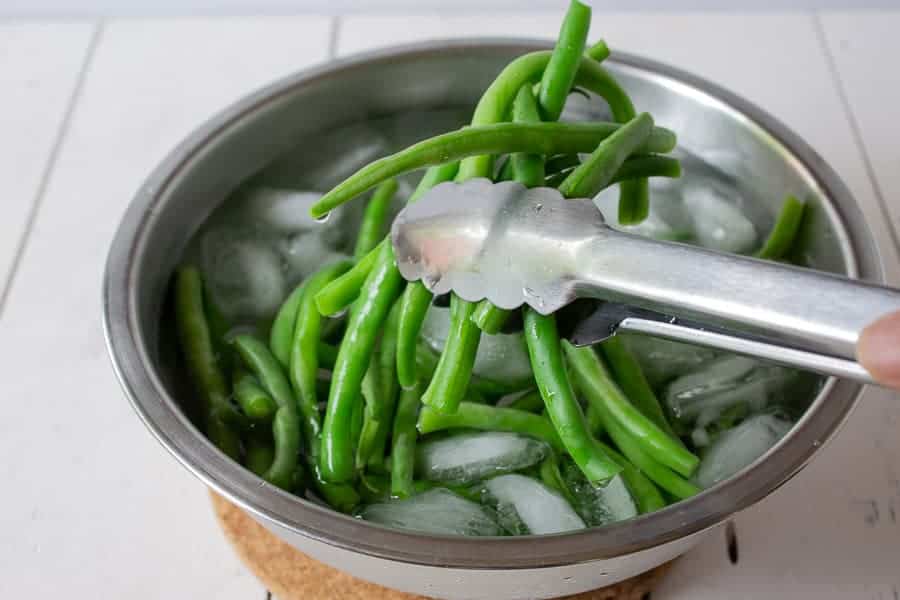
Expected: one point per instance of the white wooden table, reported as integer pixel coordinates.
(94, 508)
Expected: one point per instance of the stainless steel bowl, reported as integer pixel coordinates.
(240, 141)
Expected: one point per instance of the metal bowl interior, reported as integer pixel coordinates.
(247, 137)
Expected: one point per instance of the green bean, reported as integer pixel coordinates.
(416, 297)
(489, 318)
(256, 403)
(219, 327)
(454, 369)
(599, 51)
(553, 382)
(286, 424)
(379, 391)
(499, 138)
(199, 353)
(259, 453)
(653, 440)
(561, 162)
(782, 236)
(427, 361)
(596, 171)
(381, 288)
(342, 497)
(529, 401)
(340, 293)
(489, 418)
(282, 332)
(506, 171)
(563, 66)
(403, 443)
(528, 169)
(372, 228)
(645, 494)
(636, 167)
(304, 351)
(630, 377)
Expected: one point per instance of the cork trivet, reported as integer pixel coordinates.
(291, 575)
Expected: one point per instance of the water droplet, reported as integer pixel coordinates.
(324, 218)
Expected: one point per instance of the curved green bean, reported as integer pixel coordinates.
(598, 169)
(635, 167)
(416, 297)
(199, 351)
(381, 288)
(379, 389)
(286, 424)
(553, 382)
(782, 236)
(282, 332)
(473, 415)
(563, 66)
(499, 138)
(599, 51)
(645, 494)
(454, 369)
(342, 497)
(303, 366)
(259, 453)
(630, 377)
(340, 293)
(403, 443)
(653, 440)
(372, 227)
(256, 403)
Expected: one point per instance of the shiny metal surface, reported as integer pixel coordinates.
(514, 245)
(235, 144)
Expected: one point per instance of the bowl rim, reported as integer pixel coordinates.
(127, 346)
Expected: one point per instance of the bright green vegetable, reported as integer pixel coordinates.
(379, 292)
(454, 369)
(340, 293)
(374, 222)
(476, 141)
(403, 443)
(282, 333)
(653, 440)
(782, 236)
(303, 364)
(597, 170)
(559, 399)
(286, 424)
(563, 66)
(472, 415)
(256, 403)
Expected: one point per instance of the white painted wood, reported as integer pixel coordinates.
(39, 67)
(862, 46)
(93, 507)
(816, 537)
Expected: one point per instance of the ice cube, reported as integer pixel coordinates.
(502, 357)
(285, 211)
(599, 505)
(244, 274)
(661, 223)
(662, 360)
(306, 253)
(539, 508)
(700, 397)
(736, 448)
(718, 222)
(435, 511)
(470, 457)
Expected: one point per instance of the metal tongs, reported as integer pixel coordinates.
(514, 245)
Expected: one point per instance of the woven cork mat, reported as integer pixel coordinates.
(291, 575)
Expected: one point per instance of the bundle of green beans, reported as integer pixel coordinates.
(260, 399)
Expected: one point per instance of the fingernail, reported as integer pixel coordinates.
(878, 349)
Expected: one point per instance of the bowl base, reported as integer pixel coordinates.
(291, 575)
